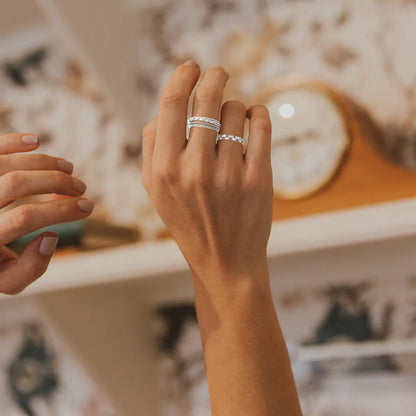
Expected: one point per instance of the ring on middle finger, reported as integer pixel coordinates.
(203, 122)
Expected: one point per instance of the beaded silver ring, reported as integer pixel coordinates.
(204, 120)
(232, 138)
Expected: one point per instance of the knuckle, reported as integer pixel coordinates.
(234, 106)
(167, 176)
(257, 184)
(61, 210)
(147, 142)
(229, 182)
(201, 179)
(253, 180)
(21, 217)
(10, 182)
(207, 95)
(217, 71)
(43, 159)
(59, 180)
(251, 187)
(262, 124)
(4, 164)
(147, 131)
(172, 98)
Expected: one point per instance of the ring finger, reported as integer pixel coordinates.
(19, 184)
(233, 116)
(207, 103)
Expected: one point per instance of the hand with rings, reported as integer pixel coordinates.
(215, 199)
(214, 192)
(24, 175)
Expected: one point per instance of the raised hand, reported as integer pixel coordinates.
(23, 175)
(215, 200)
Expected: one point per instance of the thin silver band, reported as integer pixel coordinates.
(207, 120)
(232, 138)
(206, 126)
(202, 122)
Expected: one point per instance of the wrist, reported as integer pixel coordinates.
(233, 308)
(225, 286)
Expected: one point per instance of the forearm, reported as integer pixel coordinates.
(246, 359)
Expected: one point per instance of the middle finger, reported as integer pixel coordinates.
(207, 103)
(19, 184)
(10, 163)
(233, 116)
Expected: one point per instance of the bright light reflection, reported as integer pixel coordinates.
(286, 110)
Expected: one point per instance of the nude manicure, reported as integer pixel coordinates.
(191, 63)
(30, 139)
(85, 205)
(79, 185)
(65, 166)
(48, 245)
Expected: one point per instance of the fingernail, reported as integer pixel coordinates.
(30, 139)
(48, 245)
(79, 185)
(65, 166)
(85, 205)
(191, 63)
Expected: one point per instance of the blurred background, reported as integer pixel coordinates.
(111, 328)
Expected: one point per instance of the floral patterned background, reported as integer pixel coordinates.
(314, 312)
(363, 47)
(38, 375)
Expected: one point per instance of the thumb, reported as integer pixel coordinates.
(32, 263)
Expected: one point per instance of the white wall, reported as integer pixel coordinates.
(18, 15)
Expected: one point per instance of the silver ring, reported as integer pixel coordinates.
(232, 138)
(203, 122)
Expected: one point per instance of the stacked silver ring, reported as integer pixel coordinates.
(232, 138)
(211, 124)
(204, 122)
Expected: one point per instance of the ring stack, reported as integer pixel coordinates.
(232, 138)
(204, 122)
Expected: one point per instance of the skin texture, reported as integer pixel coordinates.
(23, 175)
(216, 202)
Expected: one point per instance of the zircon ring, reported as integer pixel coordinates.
(203, 122)
(232, 138)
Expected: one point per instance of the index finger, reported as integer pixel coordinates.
(18, 142)
(171, 125)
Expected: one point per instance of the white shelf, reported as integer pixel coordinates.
(351, 350)
(153, 259)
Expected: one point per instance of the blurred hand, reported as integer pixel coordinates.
(214, 200)
(22, 176)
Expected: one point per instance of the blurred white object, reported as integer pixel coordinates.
(310, 136)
